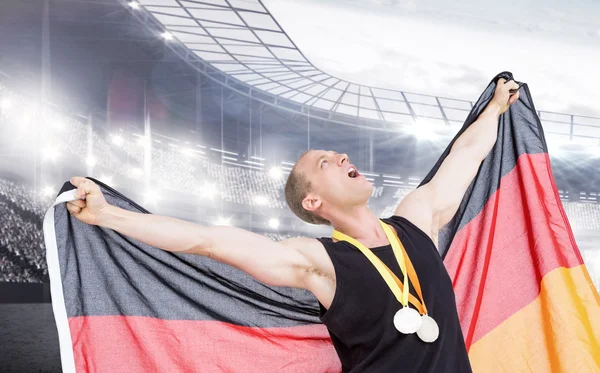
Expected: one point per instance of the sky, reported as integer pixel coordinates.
(454, 48)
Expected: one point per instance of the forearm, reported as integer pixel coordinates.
(163, 232)
(482, 134)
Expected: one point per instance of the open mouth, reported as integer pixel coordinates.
(353, 173)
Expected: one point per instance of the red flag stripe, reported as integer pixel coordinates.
(143, 344)
(510, 265)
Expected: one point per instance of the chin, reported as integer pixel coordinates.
(367, 191)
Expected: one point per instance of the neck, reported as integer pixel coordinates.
(361, 224)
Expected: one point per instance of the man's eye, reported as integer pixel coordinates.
(322, 163)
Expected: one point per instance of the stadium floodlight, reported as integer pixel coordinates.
(91, 161)
(167, 35)
(117, 140)
(208, 190)
(134, 5)
(50, 154)
(275, 172)
(223, 221)
(48, 191)
(261, 200)
(274, 223)
(5, 103)
(417, 131)
(422, 130)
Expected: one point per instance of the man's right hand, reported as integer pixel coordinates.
(90, 202)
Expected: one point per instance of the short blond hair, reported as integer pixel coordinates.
(297, 188)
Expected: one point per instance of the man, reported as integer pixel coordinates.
(357, 306)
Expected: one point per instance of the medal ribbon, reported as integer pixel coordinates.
(403, 296)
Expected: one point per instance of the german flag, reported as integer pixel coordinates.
(525, 299)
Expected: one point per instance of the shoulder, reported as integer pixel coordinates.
(314, 252)
(302, 243)
(310, 248)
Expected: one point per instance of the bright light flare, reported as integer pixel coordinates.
(144, 141)
(134, 5)
(274, 223)
(261, 200)
(50, 154)
(57, 125)
(91, 161)
(48, 191)
(188, 152)
(167, 36)
(275, 172)
(117, 140)
(5, 103)
(223, 221)
(208, 190)
(423, 130)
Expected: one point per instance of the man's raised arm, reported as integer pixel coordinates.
(434, 204)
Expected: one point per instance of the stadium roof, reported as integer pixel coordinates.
(242, 39)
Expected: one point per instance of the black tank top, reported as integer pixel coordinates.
(360, 318)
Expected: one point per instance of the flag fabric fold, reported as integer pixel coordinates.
(525, 300)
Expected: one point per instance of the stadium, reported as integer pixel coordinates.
(198, 110)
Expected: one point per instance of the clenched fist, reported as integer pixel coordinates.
(90, 200)
(503, 98)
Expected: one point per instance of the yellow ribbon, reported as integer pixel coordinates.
(402, 295)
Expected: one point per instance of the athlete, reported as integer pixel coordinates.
(359, 306)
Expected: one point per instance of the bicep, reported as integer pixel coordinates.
(273, 263)
(447, 188)
(417, 208)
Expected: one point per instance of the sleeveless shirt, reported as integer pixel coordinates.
(360, 318)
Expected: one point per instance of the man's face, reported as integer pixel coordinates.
(335, 181)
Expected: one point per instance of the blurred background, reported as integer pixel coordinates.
(198, 110)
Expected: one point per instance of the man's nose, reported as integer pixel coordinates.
(341, 159)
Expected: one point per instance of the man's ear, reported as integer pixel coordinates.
(311, 202)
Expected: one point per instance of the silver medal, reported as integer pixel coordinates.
(407, 320)
(429, 330)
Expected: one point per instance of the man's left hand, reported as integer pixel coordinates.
(502, 97)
